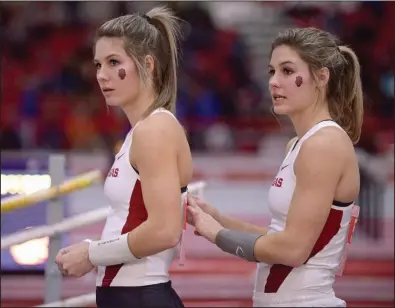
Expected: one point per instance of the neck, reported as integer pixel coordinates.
(135, 110)
(306, 119)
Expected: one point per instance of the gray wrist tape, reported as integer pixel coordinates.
(238, 243)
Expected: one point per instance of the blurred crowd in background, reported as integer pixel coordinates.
(50, 98)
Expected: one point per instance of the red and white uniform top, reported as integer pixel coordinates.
(122, 190)
(275, 282)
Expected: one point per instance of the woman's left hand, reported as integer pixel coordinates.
(204, 223)
(74, 260)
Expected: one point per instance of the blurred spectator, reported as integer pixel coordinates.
(50, 129)
(50, 78)
(368, 29)
(79, 128)
(10, 139)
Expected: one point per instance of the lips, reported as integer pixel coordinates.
(105, 90)
(278, 98)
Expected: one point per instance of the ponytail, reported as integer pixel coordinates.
(165, 73)
(348, 109)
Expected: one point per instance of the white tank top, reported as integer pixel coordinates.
(122, 190)
(276, 282)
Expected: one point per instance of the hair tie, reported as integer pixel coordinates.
(147, 18)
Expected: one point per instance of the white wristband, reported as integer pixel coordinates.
(111, 252)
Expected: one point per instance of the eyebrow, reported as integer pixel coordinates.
(283, 63)
(109, 56)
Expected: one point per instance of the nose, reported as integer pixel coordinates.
(273, 82)
(102, 75)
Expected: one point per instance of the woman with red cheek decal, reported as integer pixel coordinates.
(315, 81)
(136, 61)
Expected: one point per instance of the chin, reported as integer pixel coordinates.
(281, 109)
(112, 102)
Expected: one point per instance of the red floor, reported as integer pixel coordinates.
(354, 268)
(209, 303)
(376, 268)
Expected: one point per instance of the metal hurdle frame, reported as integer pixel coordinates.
(57, 224)
(54, 215)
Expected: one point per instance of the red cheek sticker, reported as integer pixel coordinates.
(122, 74)
(298, 81)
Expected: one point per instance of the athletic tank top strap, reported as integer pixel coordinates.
(312, 131)
(130, 134)
(294, 150)
(291, 148)
(317, 127)
(128, 139)
(153, 112)
(163, 110)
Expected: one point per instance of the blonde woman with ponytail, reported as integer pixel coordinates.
(136, 61)
(315, 82)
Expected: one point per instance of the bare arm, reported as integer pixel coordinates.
(237, 224)
(155, 155)
(226, 221)
(318, 169)
(240, 225)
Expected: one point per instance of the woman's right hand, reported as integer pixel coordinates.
(207, 208)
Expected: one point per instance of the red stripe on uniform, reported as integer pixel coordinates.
(137, 215)
(278, 272)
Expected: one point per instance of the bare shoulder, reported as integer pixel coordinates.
(331, 139)
(159, 127)
(161, 138)
(328, 149)
(289, 144)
